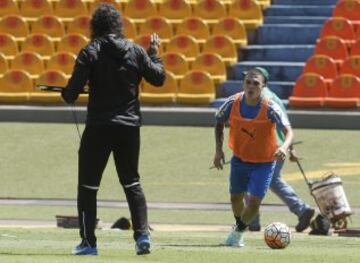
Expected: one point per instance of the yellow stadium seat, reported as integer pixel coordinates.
(185, 45)
(50, 25)
(51, 78)
(30, 62)
(233, 28)
(72, 43)
(175, 10)
(4, 65)
(210, 10)
(8, 46)
(36, 8)
(95, 3)
(195, 27)
(8, 7)
(159, 25)
(15, 86)
(80, 25)
(222, 45)
(39, 43)
(175, 63)
(139, 10)
(211, 63)
(160, 95)
(14, 25)
(68, 9)
(62, 61)
(196, 87)
(144, 41)
(130, 30)
(248, 11)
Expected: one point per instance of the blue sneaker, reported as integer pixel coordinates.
(85, 249)
(235, 239)
(142, 245)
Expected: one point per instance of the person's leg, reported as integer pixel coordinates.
(93, 155)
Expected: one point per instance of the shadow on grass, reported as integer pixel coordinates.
(34, 254)
(193, 245)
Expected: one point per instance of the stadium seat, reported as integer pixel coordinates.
(80, 25)
(175, 10)
(68, 9)
(160, 95)
(72, 43)
(248, 11)
(8, 46)
(196, 88)
(4, 65)
(209, 10)
(211, 63)
(14, 25)
(30, 62)
(144, 41)
(344, 92)
(15, 86)
(50, 25)
(51, 78)
(62, 61)
(139, 10)
(355, 48)
(36, 8)
(349, 9)
(351, 66)
(159, 25)
(233, 28)
(195, 27)
(185, 45)
(222, 45)
(323, 65)
(39, 43)
(333, 47)
(340, 27)
(8, 7)
(93, 4)
(309, 91)
(175, 63)
(130, 30)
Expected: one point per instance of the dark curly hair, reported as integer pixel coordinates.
(106, 20)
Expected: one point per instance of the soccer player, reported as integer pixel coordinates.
(253, 119)
(281, 188)
(113, 67)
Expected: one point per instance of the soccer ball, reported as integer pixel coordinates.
(277, 235)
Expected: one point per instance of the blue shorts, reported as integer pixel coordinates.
(254, 178)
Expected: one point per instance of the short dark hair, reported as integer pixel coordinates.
(106, 20)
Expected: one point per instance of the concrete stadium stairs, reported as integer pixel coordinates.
(281, 45)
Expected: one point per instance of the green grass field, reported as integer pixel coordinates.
(40, 161)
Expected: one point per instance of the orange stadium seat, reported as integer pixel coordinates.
(333, 47)
(51, 78)
(349, 9)
(209, 10)
(95, 3)
(8, 46)
(344, 92)
(309, 91)
(355, 48)
(15, 86)
(8, 7)
(222, 45)
(175, 63)
(340, 27)
(174, 10)
(4, 65)
(159, 25)
(62, 61)
(195, 27)
(160, 95)
(248, 11)
(144, 41)
(14, 25)
(30, 62)
(72, 43)
(139, 10)
(351, 66)
(211, 63)
(50, 25)
(36, 8)
(68, 9)
(196, 87)
(323, 65)
(80, 25)
(233, 28)
(39, 43)
(185, 45)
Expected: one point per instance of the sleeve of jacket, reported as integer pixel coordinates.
(152, 68)
(78, 78)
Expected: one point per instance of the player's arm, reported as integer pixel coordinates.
(283, 149)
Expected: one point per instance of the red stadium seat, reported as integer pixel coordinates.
(322, 65)
(355, 48)
(351, 66)
(349, 9)
(333, 47)
(340, 27)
